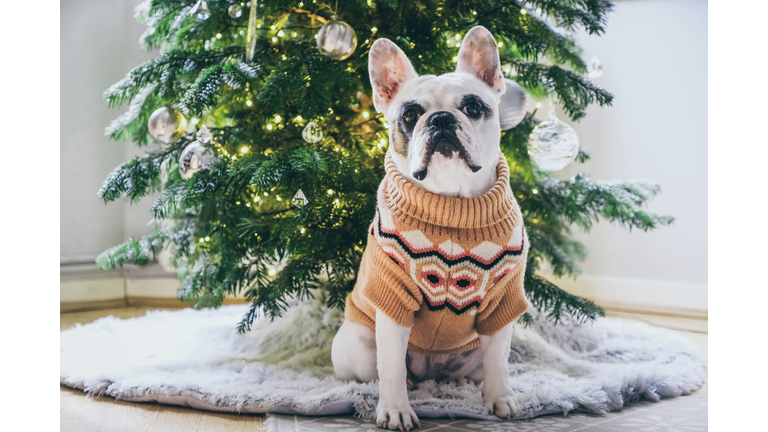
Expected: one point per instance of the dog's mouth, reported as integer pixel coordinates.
(447, 143)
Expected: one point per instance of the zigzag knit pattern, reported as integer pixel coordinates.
(447, 274)
(449, 268)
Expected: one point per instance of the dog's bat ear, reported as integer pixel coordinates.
(479, 56)
(512, 105)
(389, 69)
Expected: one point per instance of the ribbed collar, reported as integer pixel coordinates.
(485, 210)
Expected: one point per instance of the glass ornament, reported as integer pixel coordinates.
(235, 11)
(312, 133)
(299, 200)
(194, 158)
(200, 10)
(204, 135)
(594, 67)
(167, 125)
(553, 144)
(336, 39)
(250, 36)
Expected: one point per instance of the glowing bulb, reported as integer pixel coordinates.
(249, 103)
(458, 36)
(302, 230)
(336, 149)
(330, 191)
(244, 150)
(474, 12)
(274, 39)
(280, 33)
(501, 44)
(374, 29)
(277, 119)
(269, 127)
(278, 198)
(365, 114)
(218, 35)
(256, 199)
(535, 191)
(242, 32)
(455, 59)
(272, 272)
(202, 240)
(538, 105)
(298, 118)
(273, 27)
(266, 193)
(336, 200)
(294, 34)
(523, 11)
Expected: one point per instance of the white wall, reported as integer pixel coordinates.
(655, 58)
(654, 55)
(99, 45)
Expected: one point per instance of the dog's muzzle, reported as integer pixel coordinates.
(442, 127)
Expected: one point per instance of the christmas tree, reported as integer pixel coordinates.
(271, 150)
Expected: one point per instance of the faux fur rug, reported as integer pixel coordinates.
(197, 359)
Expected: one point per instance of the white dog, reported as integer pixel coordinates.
(437, 309)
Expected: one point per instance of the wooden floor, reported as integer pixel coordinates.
(79, 413)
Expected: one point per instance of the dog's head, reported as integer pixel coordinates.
(444, 131)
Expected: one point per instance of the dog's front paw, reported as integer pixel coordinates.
(502, 404)
(396, 415)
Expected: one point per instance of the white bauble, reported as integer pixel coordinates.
(167, 125)
(512, 105)
(194, 158)
(336, 39)
(553, 144)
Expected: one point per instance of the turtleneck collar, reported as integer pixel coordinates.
(491, 208)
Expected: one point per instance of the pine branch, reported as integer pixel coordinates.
(574, 91)
(552, 300)
(137, 252)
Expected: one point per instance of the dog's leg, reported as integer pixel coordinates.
(354, 352)
(394, 411)
(497, 393)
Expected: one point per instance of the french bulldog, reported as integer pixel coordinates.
(444, 134)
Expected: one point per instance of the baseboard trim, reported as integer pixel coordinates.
(639, 295)
(83, 306)
(166, 302)
(655, 310)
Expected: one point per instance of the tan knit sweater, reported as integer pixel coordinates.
(450, 268)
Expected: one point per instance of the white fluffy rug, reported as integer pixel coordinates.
(197, 359)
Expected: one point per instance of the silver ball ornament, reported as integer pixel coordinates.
(194, 158)
(312, 133)
(167, 125)
(235, 11)
(511, 105)
(553, 144)
(336, 39)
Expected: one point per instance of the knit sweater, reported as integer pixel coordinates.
(449, 268)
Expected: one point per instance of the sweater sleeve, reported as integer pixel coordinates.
(504, 302)
(388, 287)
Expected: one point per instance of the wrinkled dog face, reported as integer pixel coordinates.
(443, 130)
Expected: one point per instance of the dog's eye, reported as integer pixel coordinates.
(471, 109)
(411, 116)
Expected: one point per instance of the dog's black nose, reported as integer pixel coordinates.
(442, 119)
